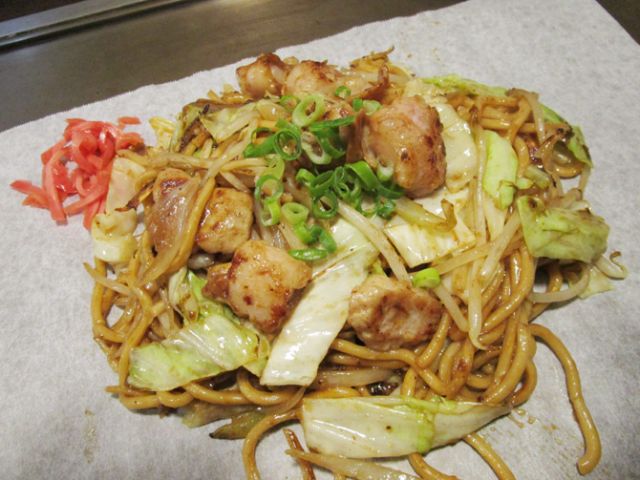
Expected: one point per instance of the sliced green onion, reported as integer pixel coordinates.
(294, 212)
(338, 122)
(321, 183)
(357, 104)
(354, 196)
(301, 118)
(305, 177)
(320, 210)
(289, 102)
(384, 173)
(327, 241)
(260, 149)
(266, 183)
(367, 212)
(270, 212)
(309, 254)
(392, 191)
(275, 166)
(284, 125)
(287, 144)
(365, 174)
(306, 234)
(328, 141)
(310, 146)
(342, 91)
(384, 207)
(258, 131)
(371, 106)
(427, 278)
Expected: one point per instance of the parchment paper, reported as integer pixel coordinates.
(56, 421)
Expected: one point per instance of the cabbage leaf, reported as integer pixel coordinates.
(322, 311)
(370, 427)
(419, 245)
(112, 236)
(561, 233)
(213, 340)
(501, 169)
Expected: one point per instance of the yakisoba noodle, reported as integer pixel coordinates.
(481, 348)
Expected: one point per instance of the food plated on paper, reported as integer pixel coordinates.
(354, 249)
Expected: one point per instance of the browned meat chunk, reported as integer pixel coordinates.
(259, 284)
(173, 195)
(226, 223)
(312, 77)
(266, 75)
(405, 135)
(388, 314)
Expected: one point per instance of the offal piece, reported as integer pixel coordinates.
(173, 194)
(388, 314)
(407, 136)
(266, 75)
(226, 223)
(260, 284)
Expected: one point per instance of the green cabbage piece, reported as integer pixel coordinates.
(371, 427)
(501, 169)
(322, 310)
(213, 340)
(561, 233)
(452, 83)
(222, 124)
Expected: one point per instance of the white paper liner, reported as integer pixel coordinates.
(57, 421)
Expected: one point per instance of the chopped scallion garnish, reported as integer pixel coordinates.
(294, 213)
(309, 110)
(427, 278)
(342, 91)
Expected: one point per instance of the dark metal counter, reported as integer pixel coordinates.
(93, 62)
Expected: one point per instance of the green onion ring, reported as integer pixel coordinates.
(260, 185)
(318, 208)
(270, 213)
(305, 177)
(294, 213)
(301, 118)
(286, 101)
(261, 149)
(365, 174)
(275, 166)
(310, 146)
(283, 139)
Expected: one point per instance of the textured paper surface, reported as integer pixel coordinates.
(57, 421)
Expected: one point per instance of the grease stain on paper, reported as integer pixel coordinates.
(90, 436)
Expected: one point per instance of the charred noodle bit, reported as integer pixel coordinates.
(592, 453)
(294, 444)
(353, 149)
